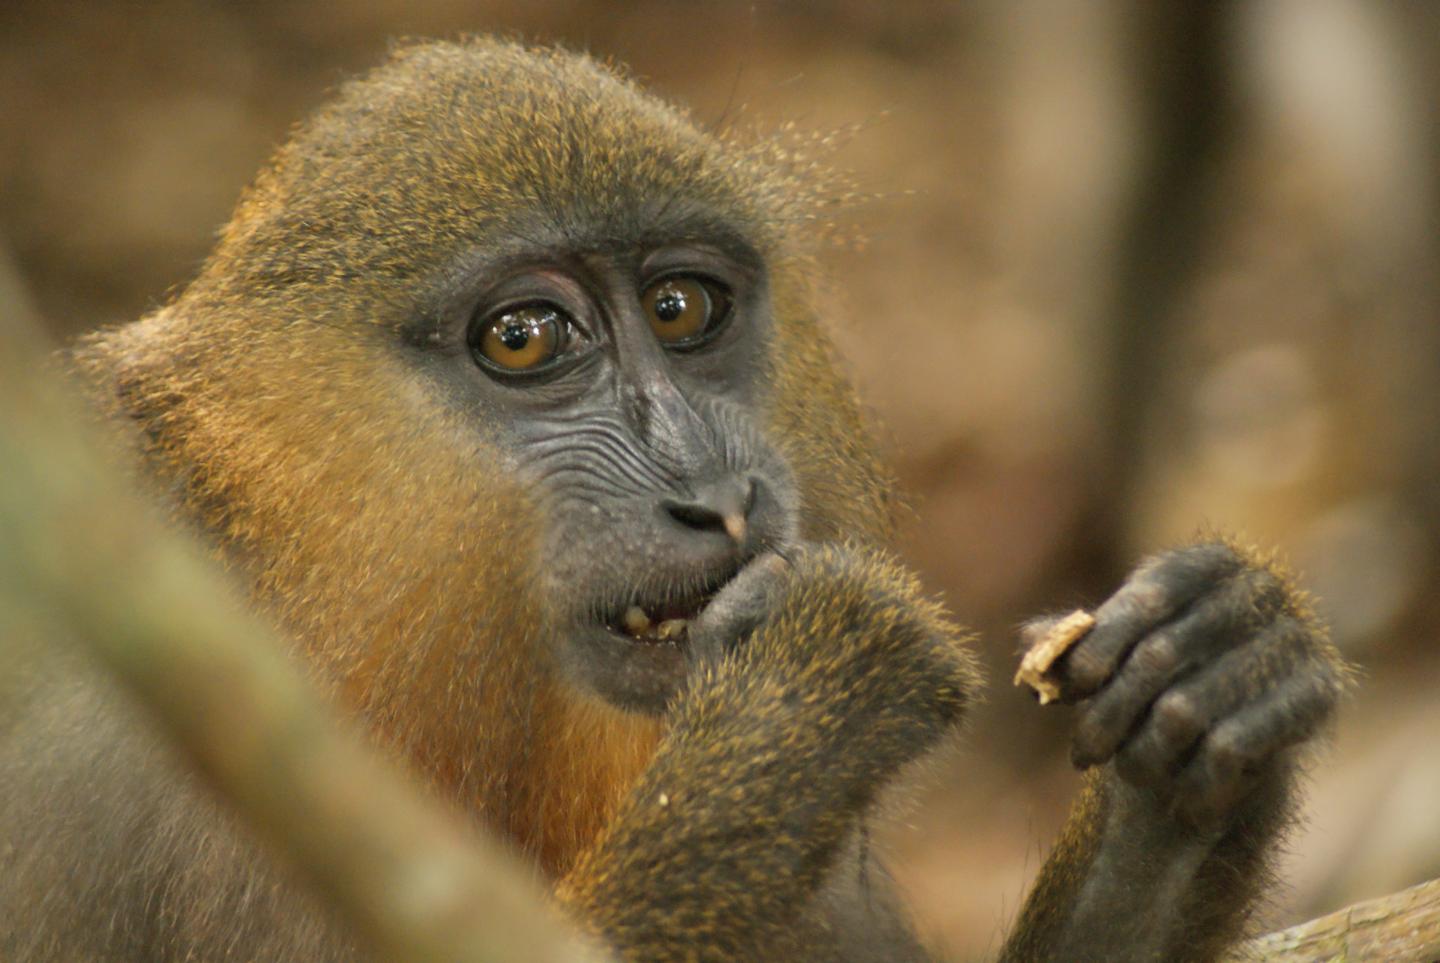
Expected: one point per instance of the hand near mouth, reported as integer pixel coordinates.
(735, 611)
(829, 625)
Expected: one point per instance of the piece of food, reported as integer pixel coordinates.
(1041, 655)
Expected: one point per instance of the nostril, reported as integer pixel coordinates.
(693, 515)
(720, 506)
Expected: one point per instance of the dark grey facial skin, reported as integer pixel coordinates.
(642, 454)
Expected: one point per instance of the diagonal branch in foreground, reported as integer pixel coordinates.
(78, 550)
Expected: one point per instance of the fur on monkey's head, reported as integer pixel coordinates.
(289, 396)
(455, 145)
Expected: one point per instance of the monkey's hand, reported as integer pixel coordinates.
(774, 751)
(1199, 678)
(1200, 671)
(837, 638)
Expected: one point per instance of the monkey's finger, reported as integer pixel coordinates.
(1215, 623)
(1235, 751)
(1187, 710)
(1153, 595)
(733, 614)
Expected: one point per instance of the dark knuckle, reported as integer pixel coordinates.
(1084, 670)
(1143, 597)
(1158, 654)
(1177, 716)
(1225, 751)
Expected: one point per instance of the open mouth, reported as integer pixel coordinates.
(665, 621)
(637, 651)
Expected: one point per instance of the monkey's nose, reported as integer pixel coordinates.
(722, 505)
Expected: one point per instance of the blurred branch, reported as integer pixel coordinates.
(1118, 120)
(77, 549)
(1403, 927)
(1178, 68)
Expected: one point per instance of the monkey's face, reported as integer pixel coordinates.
(627, 385)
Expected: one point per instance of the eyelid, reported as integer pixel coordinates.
(515, 303)
(685, 269)
(733, 268)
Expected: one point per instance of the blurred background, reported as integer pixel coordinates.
(1120, 270)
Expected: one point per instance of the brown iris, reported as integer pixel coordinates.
(680, 308)
(520, 338)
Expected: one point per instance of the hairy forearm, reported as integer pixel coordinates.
(1131, 881)
(719, 841)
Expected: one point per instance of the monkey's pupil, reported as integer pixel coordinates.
(670, 306)
(515, 336)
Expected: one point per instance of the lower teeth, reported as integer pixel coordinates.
(636, 622)
(638, 625)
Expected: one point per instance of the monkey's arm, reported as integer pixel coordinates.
(1200, 679)
(773, 755)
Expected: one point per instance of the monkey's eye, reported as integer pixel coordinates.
(684, 309)
(520, 338)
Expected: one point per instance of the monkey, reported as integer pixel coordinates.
(506, 397)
